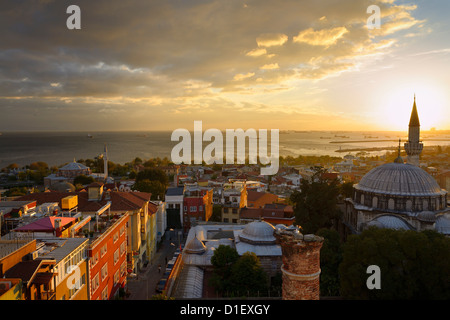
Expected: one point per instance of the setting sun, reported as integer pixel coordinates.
(430, 101)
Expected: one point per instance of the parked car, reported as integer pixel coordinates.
(161, 285)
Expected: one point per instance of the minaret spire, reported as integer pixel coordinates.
(105, 162)
(399, 157)
(414, 147)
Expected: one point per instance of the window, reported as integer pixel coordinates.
(123, 248)
(123, 268)
(105, 293)
(104, 271)
(94, 259)
(185, 208)
(115, 237)
(116, 256)
(95, 283)
(103, 250)
(116, 277)
(193, 208)
(200, 208)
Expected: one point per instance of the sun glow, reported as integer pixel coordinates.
(430, 102)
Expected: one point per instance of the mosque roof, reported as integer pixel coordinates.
(399, 179)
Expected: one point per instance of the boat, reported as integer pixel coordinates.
(90, 136)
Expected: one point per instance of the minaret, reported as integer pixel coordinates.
(414, 147)
(105, 163)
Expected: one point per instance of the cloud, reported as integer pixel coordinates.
(324, 37)
(241, 76)
(257, 52)
(270, 66)
(271, 39)
(158, 56)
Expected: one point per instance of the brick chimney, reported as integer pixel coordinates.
(301, 264)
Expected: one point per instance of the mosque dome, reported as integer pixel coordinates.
(72, 166)
(399, 179)
(400, 187)
(195, 246)
(258, 232)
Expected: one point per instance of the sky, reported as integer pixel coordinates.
(264, 64)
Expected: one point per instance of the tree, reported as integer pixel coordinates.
(248, 278)
(315, 206)
(41, 166)
(346, 189)
(330, 258)
(83, 180)
(413, 265)
(153, 174)
(152, 180)
(222, 260)
(156, 188)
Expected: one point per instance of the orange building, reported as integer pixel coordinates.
(256, 199)
(108, 261)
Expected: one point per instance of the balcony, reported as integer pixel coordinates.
(48, 295)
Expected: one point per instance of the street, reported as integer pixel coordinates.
(143, 286)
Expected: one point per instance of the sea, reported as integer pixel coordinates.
(57, 148)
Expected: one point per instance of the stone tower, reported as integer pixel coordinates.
(414, 147)
(301, 265)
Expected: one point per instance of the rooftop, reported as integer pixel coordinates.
(399, 179)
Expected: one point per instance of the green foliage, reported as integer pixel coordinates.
(247, 276)
(153, 174)
(330, 258)
(161, 297)
(237, 275)
(83, 180)
(222, 260)
(152, 180)
(156, 188)
(39, 166)
(16, 191)
(414, 265)
(346, 189)
(315, 206)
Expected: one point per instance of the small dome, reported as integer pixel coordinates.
(426, 216)
(259, 232)
(390, 222)
(195, 246)
(443, 225)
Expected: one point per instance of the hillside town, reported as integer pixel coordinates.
(108, 234)
(95, 230)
